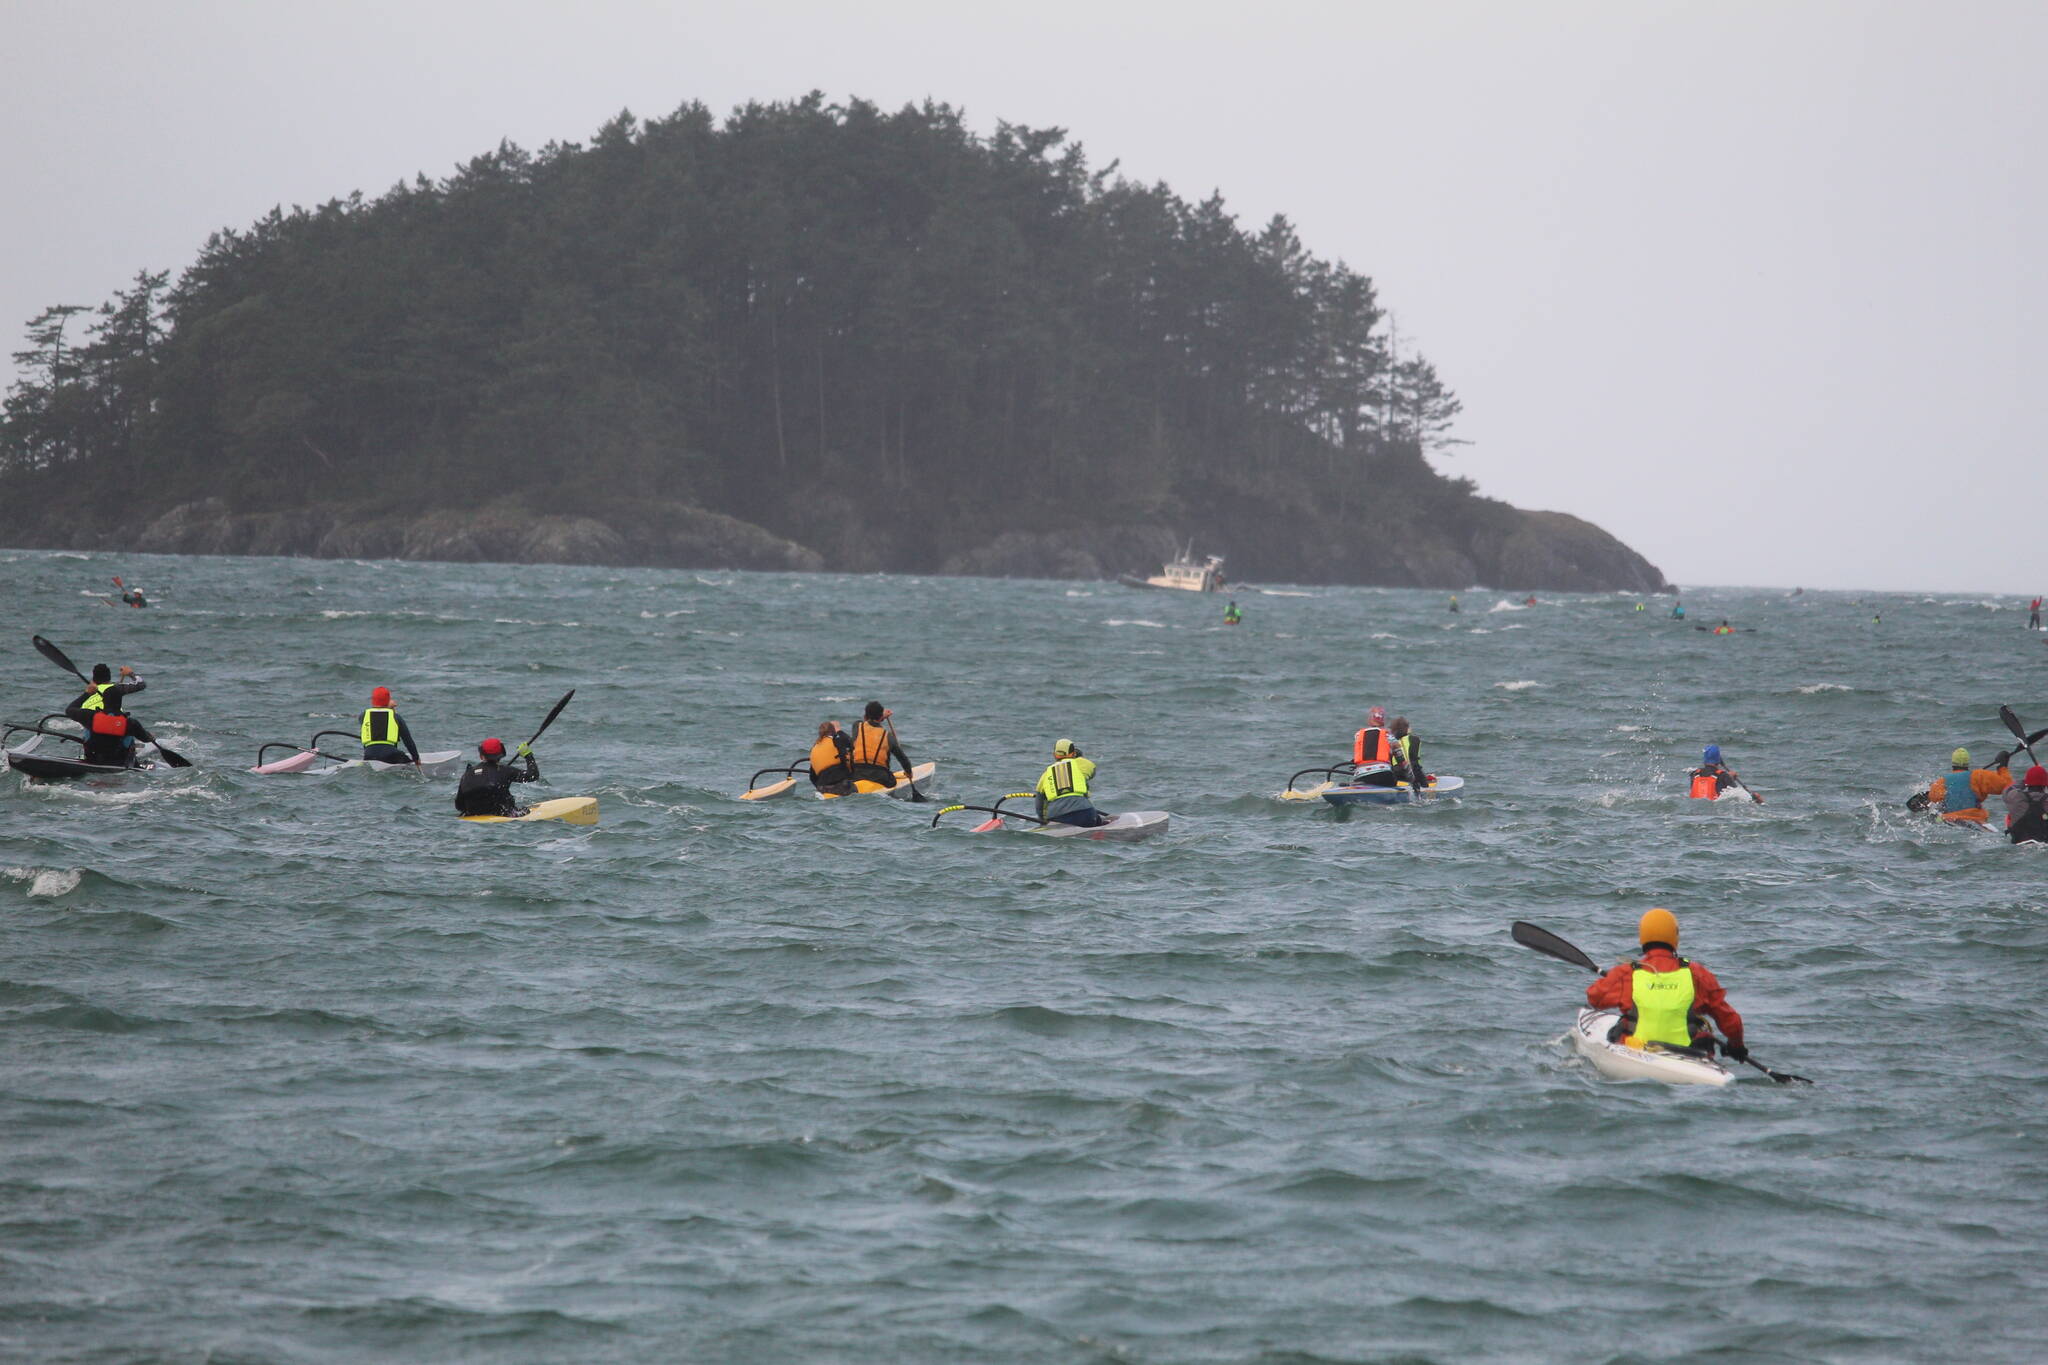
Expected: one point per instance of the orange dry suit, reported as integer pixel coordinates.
(1965, 802)
(1616, 991)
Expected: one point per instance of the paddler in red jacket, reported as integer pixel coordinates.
(1664, 998)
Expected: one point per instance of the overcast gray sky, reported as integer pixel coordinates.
(1745, 283)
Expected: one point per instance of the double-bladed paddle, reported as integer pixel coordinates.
(1550, 945)
(551, 717)
(63, 661)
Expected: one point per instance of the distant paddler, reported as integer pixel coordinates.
(1678, 611)
(110, 734)
(1063, 788)
(2026, 808)
(1454, 603)
(386, 739)
(874, 745)
(1231, 615)
(130, 597)
(829, 760)
(1711, 778)
(1959, 797)
(1407, 751)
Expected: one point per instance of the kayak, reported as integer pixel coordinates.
(51, 767)
(1398, 795)
(1126, 828)
(1622, 1063)
(914, 780)
(570, 810)
(435, 764)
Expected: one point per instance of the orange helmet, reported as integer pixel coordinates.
(1658, 926)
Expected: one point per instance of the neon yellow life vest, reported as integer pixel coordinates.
(98, 700)
(380, 726)
(1663, 1002)
(1065, 778)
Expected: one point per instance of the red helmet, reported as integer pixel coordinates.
(492, 748)
(380, 696)
(2037, 776)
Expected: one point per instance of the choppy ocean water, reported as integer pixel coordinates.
(300, 1069)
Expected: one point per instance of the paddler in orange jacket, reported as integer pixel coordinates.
(829, 772)
(875, 745)
(1663, 998)
(1372, 753)
(1960, 796)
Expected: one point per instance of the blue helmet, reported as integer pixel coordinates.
(1712, 755)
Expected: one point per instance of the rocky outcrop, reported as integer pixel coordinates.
(1475, 542)
(665, 534)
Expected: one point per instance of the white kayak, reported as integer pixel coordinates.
(1124, 828)
(1616, 1061)
(439, 763)
(570, 810)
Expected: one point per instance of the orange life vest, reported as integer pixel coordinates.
(1370, 746)
(825, 754)
(871, 744)
(1705, 785)
(109, 723)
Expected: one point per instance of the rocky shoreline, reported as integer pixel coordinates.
(1505, 548)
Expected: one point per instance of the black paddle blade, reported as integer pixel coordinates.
(551, 716)
(1550, 945)
(55, 655)
(175, 759)
(2012, 723)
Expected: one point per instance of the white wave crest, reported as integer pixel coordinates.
(1812, 688)
(1152, 625)
(1519, 685)
(46, 881)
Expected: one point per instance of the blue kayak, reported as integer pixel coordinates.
(1399, 795)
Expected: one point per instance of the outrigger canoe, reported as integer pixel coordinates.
(1620, 1062)
(1128, 827)
(437, 763)
(570, 810)
(53, 767)
(1400, 794)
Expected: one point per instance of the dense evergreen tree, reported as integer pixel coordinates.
(849, 325)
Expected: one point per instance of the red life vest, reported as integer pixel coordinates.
(109, 723)
(1706, 784)
(1370, 746)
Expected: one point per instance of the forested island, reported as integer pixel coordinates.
(811, 336)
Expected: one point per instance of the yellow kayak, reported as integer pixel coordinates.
(570, 810)
(905, 784)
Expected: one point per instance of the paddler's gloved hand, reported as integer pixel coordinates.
(2001, 758)
(1735, 1050)
(1917, 801)
(523, 751)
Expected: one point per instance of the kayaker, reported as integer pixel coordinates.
(384, 732)
(1372, 753)
(1454, 603)
(2026, 808)
(486, 788)
(1407, 750)
(1710, 779)
(110, 734)
(874, 745)
(1960, 795)
(1530, 600)
(1063, 789)
(2034, 615)
(1663, 998)
(1678, 611)
(1724, 628)
(133, 597)
(1231, 615)
(829, 772)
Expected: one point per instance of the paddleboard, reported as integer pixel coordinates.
(1398, 795)
(914, 780)
(570, 810)
(1616, 1061)
(1128, 827)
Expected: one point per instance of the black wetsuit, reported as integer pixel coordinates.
(2027, 814)
(115, 751)
(486, 788)
(405, 751)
